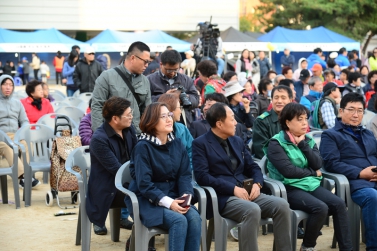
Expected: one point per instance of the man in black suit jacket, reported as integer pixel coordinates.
(110, 147)
(222, 162)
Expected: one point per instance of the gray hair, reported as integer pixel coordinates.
(314, 80)
(277, 77)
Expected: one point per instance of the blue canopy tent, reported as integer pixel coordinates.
(117, 41)
(50, 40)
(302, 42)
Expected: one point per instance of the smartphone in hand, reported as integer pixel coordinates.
(248, 185)
(187, 200)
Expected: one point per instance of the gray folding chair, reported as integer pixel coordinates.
(76, 94)
(316, 135)
(140, 234)
(221, 226)
(85, 96)
(72, 112)
(49, 120)
(83, 106)
(12, 171)
(38, 138)
(19, 94)
(56, 93)
(354, 211)
(81, 157)
(73, 101)
(57, 104)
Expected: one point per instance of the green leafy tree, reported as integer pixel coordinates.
(245, 24)
(352, 18)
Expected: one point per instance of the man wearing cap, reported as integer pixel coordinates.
(315, 92)
(287, 59)
(87, 71)
(317, 71)
(267, 124)
(315, 58)
(329, 106)
(301, 86)
(168, 80)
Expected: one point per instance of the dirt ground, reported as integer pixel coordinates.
(36, 227)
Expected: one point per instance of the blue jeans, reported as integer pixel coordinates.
(184, 229)
(220, 66)
(366, 198)
(70, 92)
(124, 213)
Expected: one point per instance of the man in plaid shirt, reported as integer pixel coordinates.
(328, 107)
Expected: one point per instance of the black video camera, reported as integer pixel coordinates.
(183, 97)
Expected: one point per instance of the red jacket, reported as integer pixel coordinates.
(33, 113)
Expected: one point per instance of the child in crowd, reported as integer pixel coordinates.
(45, 71)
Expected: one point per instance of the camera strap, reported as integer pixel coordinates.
(129, 85)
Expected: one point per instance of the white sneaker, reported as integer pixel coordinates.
(234, 233)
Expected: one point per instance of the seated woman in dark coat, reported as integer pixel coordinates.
(294, 159)
(161, 173)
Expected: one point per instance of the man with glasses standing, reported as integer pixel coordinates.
(350, 149)
(87, 71)
(169, 80)
(126, 81)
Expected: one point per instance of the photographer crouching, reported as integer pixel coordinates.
(169, 80)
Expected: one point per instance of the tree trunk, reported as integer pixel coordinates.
(371, 34)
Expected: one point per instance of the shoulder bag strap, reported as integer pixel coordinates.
(129, 85)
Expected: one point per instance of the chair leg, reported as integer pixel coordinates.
(16, 191)
(210, 231)
(294, 227)
(78, 229)
(86, 229)
(4, 189)
(45, 177)
(27, 185)
(115, 223)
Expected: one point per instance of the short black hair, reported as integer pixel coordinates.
(207, 68)
(282, 88)
(370, 75)
(345, 71)
(218, 97)
(74, 47)
(30, 87)
(317, 50)
(171, 57)
(353, 76)
(269, 72)
(331, 63)
(329, 71)
(228, 75)
(351, 97)
(342, 50)
(351, 55)
(114, 106)
(285, 70)
(291, 111)
(137, 47)
(286, 82)
(263, 85)
(217, 112)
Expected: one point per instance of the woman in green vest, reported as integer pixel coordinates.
(294, 159)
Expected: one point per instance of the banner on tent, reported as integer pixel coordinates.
(23, 47)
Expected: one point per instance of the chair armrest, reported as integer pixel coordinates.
(283, 191)
(201, 195)
(341, 183)
(215, 205)
(273, 186)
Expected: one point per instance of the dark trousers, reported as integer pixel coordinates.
(318, 204)
(26, 78)
(57, 74)
(36, 74)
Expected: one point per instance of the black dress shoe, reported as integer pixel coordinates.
(300, 233)
(99, 230)
(128, 242)
(125, 223)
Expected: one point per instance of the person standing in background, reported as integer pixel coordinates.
(287, 59)
(45, 71)
(58, 64)
(35, 64)
(264, 64)
(26, 68)
(68, 70)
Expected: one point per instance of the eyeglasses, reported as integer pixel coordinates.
(165, 116)
(353, 111)
(145, 61)
(171, 70)
(129, 116)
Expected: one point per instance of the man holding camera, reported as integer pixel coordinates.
(169, 80)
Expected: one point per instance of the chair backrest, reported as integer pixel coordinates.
(73, 101)
(57, 92)
(83, 106)
(73, 112)
(20, 94)
(123, 174)
(86, 96)
(368, 115)
(76, 94)
(38, 138)
(80, 157)
(57, 104)
(263, 165)
(57, 96)
(316, 135)
(49, 120)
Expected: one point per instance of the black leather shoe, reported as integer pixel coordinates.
(300, 233)
(100, 230)
(128, 242)
(125, 223)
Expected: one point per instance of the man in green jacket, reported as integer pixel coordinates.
(267, 124)
(110, 83)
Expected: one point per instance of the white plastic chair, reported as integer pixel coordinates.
(76, 94)
(72, 112)
(73, 101)
(57, 104)
(86, 96)
(49, 120)
(38, 138)
(12, 171)
(316, 135)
